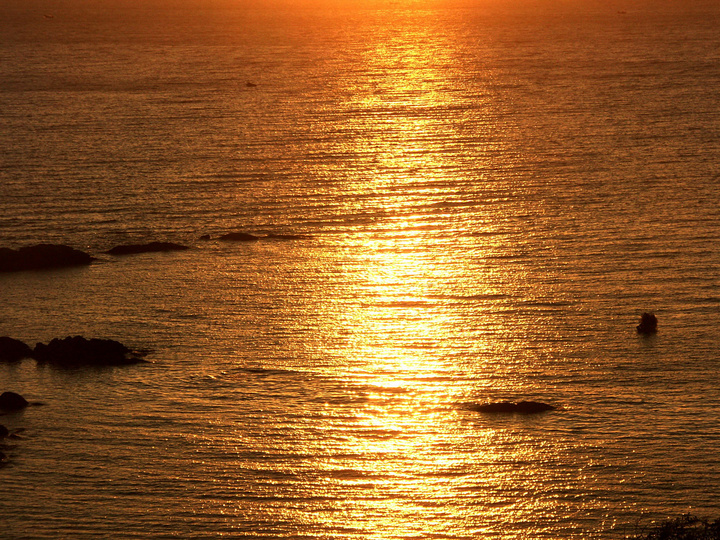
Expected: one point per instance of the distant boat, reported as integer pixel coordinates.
(49, 16)
(250, 85)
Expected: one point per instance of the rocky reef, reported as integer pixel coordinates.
(686, 527)
(79, 351)
(278, 236)
(520, 407)
(247, 237)
(151, 247)
(10, 403)
(72, 351)
(12, 350)
(42, 257)
(238, 237)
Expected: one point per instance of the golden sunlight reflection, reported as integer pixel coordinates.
(408, 440)
(399, 322)
(402, 332)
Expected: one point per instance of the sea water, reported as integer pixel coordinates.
(486, 195)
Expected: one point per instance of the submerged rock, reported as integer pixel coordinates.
(239, 237)
(42, 257)
(12, 350)
(247, 237)
(276, 236)
(77, 351)
(685, 527)
(131, 249)
(520, 407)
(10, 401)
(648, 324)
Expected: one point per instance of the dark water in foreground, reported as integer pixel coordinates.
(491, 194)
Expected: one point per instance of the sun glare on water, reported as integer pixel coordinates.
(399, 336)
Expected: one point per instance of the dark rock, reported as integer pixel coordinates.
(10, 401)
(648, 324)
(532, 407)
(521, 407)
(239, 237)
(273, 236)
(12, 349)
(205, 237)
(78, 351)
(131, 249)
(4, 432)
(42, 257)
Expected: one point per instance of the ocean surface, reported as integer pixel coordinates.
(489, 194)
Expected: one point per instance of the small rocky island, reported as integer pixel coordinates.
(12, 402)
(240, 236)
(72, 351)
(42, 257)
(12, 350)
(151, 247)
(648, 324)
(520, 407)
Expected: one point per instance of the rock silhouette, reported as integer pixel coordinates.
(276, 236)
(79, 351)
(4, 431)
(520, 407)
(131, 249)
(648, 324)
(42, 257)
(12, 350)
(247, 237)
(10, 401)
(239, 237)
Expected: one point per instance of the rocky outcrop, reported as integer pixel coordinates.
(10, 401)
(12, 350)
(71, 351)
(79, 351)
(520, 407)
(42, 257)
(131, 249)
(276, 236)
(247, 237)
(648, 324)
(238, 237)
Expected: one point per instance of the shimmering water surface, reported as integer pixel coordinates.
(490, 193)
